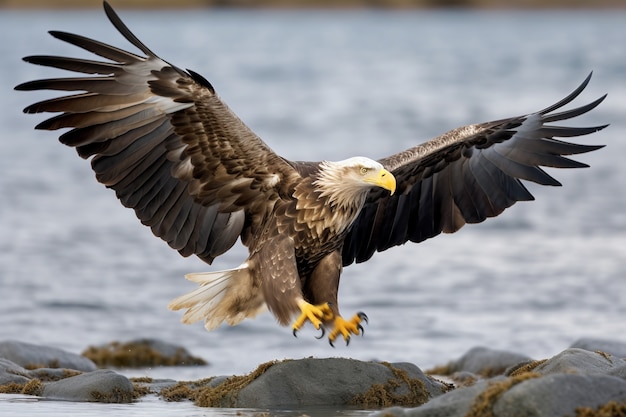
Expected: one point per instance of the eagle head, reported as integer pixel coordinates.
(352, 178)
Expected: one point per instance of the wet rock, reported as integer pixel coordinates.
(35, 356)
(336, 382)
(12, 373)
(580, 361)
(455, 403)
(482, 361)
(324, 382)
(65, 384)
(559, 395)
(614, 347)
(141, 353)
(556, 395)
(52, 374)
(99, 386)
(153, 386)
(572, 380)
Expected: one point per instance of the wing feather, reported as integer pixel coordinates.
(467, 175)
(164, 141)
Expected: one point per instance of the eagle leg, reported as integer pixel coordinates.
(316, 314)
(347, 327)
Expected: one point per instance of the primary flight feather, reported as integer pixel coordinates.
(201, 179)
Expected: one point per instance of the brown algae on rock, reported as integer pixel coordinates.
(483, 404)
(32, 387)
(524, 367)
(140, 353)
(224, 394)
(205, 393)
(116, 395)
(215, 391)
(610, 409)
(386, 395)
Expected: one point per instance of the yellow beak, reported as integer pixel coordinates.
(386, 180)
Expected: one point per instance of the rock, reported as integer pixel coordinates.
(154, 386)
(52, 374)
(455, 403)
(67, 384)
(556, 395)
(99, 386)
(141, 353)
(559, 395)
(580, 361)
(12, 373)
(573, 379)
(482, 361)
(324, 382)
(614, 347)
(35, 356)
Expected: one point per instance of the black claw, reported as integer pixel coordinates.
(360, 329)
(330, 342)
(362, 316)
(347, 340)
(323, 333)
(295, 331)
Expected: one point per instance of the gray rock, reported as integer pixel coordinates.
(580, 361)
(98, 386)
(486, 362)
(559, 395)
(333, 381)
(455, 403)
(614, 347)
(52, 374)
(619, 371)
(159, 384)
(141, 353)
(11, 372)
(557, 387)
(29, 355)
(556, 395)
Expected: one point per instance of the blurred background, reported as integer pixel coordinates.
(324, 3)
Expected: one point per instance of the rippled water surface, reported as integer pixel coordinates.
(77, 269)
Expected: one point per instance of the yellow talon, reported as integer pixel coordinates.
(347, 327)
(316, 314)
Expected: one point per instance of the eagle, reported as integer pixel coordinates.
(193, 172)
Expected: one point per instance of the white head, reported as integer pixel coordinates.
(352, 178)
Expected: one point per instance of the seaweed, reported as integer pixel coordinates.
(386, 395)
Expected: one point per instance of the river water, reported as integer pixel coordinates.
(77, 269)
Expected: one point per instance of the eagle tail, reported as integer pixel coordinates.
(223, 296)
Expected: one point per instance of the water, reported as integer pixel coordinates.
(77, 269)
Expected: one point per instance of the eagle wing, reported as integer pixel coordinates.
(165, 142)
(465, 176)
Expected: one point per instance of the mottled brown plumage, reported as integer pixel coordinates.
(201, 179)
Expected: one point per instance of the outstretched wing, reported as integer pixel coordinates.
(465, 176)
(164, 141)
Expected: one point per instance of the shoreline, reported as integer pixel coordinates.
(483, 380)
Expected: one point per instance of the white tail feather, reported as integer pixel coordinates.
(222, 296)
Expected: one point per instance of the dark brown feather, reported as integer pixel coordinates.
(167, 145)
(467, 175)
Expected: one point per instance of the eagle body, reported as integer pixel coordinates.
(296, 253)
(193, 172)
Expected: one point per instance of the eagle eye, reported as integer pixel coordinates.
(364, 170)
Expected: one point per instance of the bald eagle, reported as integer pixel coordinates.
(201, 179)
